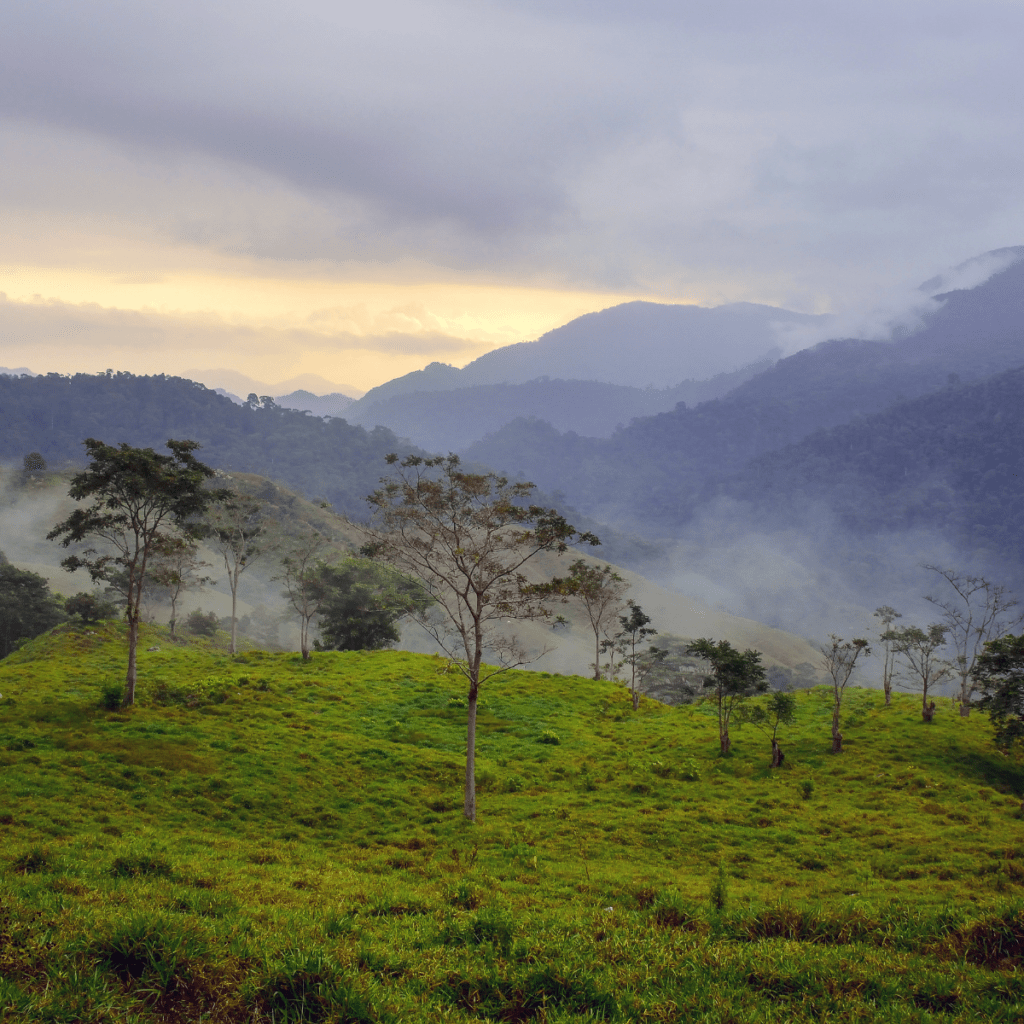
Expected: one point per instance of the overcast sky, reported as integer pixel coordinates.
(355, 189)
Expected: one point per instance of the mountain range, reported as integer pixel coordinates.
(806, 491)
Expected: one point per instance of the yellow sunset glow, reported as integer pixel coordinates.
(336, 326)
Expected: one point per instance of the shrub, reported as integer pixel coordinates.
(89, 609)
(112, 697)
(807, 789)
(200, 624)
(549, 736)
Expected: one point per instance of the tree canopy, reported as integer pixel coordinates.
(27, 608)
(467, 538)
(140, 499)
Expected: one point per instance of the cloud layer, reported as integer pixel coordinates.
(793, 153)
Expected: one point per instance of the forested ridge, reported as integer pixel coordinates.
(952, 460)
(329, 459)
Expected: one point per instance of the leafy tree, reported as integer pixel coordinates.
(303, 587)
(735, 676)
(599, 590)
(630, 643)
(467, 537)
(175, 569)
(887, 616)
(361, 605)
(27, 608)
(33, 463)
(778, 710)
(840, 659)
(89, 608)
(238, 529)
(140, 499)
(998, 672)
(977, 611)
(200, 623)
(920, 649)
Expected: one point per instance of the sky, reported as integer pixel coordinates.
(355, 190)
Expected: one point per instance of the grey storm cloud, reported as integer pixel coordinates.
(643, 143)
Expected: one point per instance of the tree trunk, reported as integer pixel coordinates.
(636, 700)
(133, 645)
(888, 693)
(837, 736)
(597, 655)
(965, 710)
(777, 756)
(724, 741)
(234, 621)
(927, 711)
(469, 805)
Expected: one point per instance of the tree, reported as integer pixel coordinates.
(238, 529)
(89, 608)
(33, 463)
(362, 603)
(920, 647)
(599, 590)
(779, 709)
(27, 608)
(840, 659)
(176, 568)
(630, 643)
(467, 537)
(734, 677)
(887, 616)
(998, 673)
(140, 499)
(977, 611)
(302, 581)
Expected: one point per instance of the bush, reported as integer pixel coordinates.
(549, 736)
(200, 624)
(89, 609)
(112, 697)
(807, 789)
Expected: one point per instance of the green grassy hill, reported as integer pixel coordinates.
(266, 840)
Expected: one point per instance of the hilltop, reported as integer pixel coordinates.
(265, 837)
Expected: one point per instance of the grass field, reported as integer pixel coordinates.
(262, 839)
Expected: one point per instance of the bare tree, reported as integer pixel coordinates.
(238, 529)
(919, 648)
(887, 616)
(599, 590)
(977, 611)
(467, 538)
(303, 585)
(840, 658)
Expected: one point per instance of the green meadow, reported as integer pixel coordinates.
(262, 839)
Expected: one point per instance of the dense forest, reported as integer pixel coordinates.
(323, 458)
